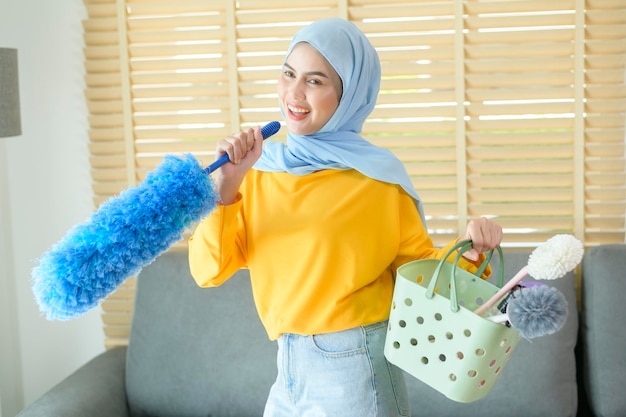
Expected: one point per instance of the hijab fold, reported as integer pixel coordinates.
(338, 145)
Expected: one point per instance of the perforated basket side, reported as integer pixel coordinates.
(457, 353)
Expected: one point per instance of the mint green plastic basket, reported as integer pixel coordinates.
(434, 335)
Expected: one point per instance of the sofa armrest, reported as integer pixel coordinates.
(97, 389)
(603, 315)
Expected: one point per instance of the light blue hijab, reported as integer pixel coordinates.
(338, 144)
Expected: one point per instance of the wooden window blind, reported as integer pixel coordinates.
(512, 109)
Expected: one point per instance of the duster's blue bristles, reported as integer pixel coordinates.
(537, 311)
(126, 233)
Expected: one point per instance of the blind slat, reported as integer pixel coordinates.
(282, 15)
(176, 77)
(599, 17)
(520, 109)
(536, 195)
(135, 8)
(496, 7)
(174, 21)
(441, 9)
(108, 174)
(99, 134)
(519, 181)
(515, 38)
(220, 131)
(506, 23)
(487, 93)
(606, 106)
(96, 10)
(255, 5)
(535, 152)
(171, 35)
(517, 166)
(104, 106)
(605, 61)
(93, 38)
(513, 65)
(174, 51)
(101, 52)
(520, 139)
(102, 66)
(410, 27)
(537, 49)
(172, 105)
(102, 24)
(200, 90)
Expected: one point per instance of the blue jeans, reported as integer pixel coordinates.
(343, 374)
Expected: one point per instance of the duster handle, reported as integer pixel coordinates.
(268, 130)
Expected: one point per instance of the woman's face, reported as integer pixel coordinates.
(309, 90)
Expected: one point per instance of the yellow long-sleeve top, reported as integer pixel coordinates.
(322, 249)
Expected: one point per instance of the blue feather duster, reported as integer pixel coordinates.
(125, 234)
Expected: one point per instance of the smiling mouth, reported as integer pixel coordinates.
(298, 111)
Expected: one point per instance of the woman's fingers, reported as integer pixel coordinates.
(484, 234)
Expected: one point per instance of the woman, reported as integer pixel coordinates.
(322, 224)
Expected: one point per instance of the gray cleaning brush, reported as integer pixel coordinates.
(535, 311)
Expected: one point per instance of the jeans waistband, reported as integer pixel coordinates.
(369, 328)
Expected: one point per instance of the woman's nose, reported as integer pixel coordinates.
(297, 90)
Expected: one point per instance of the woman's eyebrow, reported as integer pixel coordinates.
(318, 73)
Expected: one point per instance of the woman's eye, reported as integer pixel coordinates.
(288, 74)
(314, 82)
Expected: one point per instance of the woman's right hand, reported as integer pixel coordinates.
(243, 149)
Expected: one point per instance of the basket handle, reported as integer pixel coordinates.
(461, 247)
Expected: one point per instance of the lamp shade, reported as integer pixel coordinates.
(10, 122)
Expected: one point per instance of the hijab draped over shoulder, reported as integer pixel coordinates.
(338, 145)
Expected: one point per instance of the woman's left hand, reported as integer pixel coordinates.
(484, 234)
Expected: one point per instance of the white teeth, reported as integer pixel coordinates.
(297, 109)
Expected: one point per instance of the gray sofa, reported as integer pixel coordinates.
(202, 352)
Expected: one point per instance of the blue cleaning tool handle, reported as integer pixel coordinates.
(268, 130)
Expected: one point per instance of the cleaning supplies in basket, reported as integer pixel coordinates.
(537, 310)
(550, 260)
(437, 329)
(435, 336)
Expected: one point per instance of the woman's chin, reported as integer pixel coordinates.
(299, 128)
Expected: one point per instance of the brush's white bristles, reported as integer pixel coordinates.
(556, 257)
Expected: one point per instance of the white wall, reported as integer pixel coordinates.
(45, 189)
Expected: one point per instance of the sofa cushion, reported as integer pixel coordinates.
(538, 381)
(604, 313)
(181, 363)
(195, 352)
